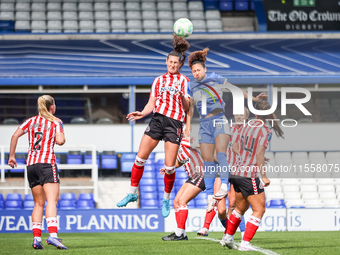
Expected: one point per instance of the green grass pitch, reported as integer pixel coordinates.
(151, 243)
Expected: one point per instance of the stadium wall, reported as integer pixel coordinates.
(150, 220)
(303, 137)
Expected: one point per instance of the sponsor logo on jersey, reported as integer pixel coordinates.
(172, 90)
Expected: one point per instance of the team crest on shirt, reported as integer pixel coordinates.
(269, 137)
(177, 84)
(147, 129)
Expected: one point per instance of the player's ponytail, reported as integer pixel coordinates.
(264, 105)
(180, 47)
(199, 56)
(44, 105)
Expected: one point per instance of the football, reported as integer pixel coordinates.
(183, 27)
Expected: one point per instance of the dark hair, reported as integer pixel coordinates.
(198, 57)
(264, 105)
(180, 47)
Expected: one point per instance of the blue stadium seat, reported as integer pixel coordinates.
(199, 203)
(88, 158)
(202, 196)
(86, 196)
(252, 5)
(28, 205)
(148, 195)
(7, 26)
(150, 168)
(29, 197)
(180, 181)
(148, 175)
(160, 163)
(181, 174)
(68, 196)
(241, 5)
(74, 157)
(226, 5)
(2, 205)
(13, 197)
(149, 204)
(143, 189)
(147, 182)
(2, 197)
(211, 4)
(58, 159)
(67, 204)
(13, 205)
(151, 159)
(277, 203)
(109, 160)
(85, 204)
(127, 160)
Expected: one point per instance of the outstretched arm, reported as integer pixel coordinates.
(146, 111)
(14, 141)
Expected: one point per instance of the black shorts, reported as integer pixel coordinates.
(247, 186)
(41, 173)
(164, 128)
(197, 180)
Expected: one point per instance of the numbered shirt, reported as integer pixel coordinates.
(231, 156)
(249, 138)
(207, 95)
(190, 157)
(165, 88)
(41, 138)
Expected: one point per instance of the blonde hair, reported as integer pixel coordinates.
(246, 113)
(44, 105)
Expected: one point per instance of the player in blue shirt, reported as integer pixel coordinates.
(214, 132)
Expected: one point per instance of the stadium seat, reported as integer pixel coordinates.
(133, 15)
(149, 204)
(29, 197)
(277, 203)
(85, 204)
(2, 205)
(332, 155)
(148, 195)
(291, 188)
(70, 26)
(28, 205)
(211, 4)
(132, 6)
(101, 6)
(150, 25)
(274, 188)
(13, 197)
(326, 188)
(117, 6)
(195, 6)
(38, 16)
(6, 15)
(53, 6)
(179, 6)
(282, 155)
(274, 195)
(104, 121)
(308, 188)
(214, 25)
(308, 181)
(295, 203)
(86, 196)
(1, 197)
(325, 181)
(144, 189)
(163, 6)
(22, 16)
(148, 175)
(38, 26)
(102, 16)
(165, 26)
(148, 6)
(316, 155)
(181, 14)
(119, 15)
(292, 195)
(69, 16)
(109, 160)
(147, 182)
(67, 204)
(331, 203)
(202, 196)
(38, 7)
(213, 14)
(165, 15)
(13, 205)
(310, 195)
(74, 157)
(199, 15)
(22, 7)
(199, 25)
(54, 16)
(226, 5)
(149, 15)
(127, 160)
(299, 155)
(315, 203)
(118, 26)
(327, 195)
(134, 26)
(85, 7)
(21, 26)
(181, 174)
(241, 5)
(68, 196)
(68, 7)
(85, 26)
(150, 160)
(54, 26)
(88, 158)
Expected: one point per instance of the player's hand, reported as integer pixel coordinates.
(162, 170)
(132, 116)
(187, 131)
(12, 162)
(265, 181)
(180, 93)
(260, 97)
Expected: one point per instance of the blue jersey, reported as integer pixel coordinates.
(207, 89)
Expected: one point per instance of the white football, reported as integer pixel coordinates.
(183, 27)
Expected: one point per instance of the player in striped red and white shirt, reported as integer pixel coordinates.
(169, 101)
(193, 165)
(250, 145)
(43, 132)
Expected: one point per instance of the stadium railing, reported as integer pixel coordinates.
(25, 187)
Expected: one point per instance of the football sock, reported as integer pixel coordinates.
(36, 229)
(166, 196)
(169, 178)
(181, 215)
(251, 228)
(209, 216)
(233, 223)
(52, 224)
(136, 174)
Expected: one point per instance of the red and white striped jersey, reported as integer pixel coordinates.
(190, 157)
(41, 138)
(165, 88)
(249, 138)
(231, 156)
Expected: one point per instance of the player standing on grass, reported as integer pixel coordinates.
(214, 131)
(43, 131)
(240, 120)
(250, 145)
(169, 100)
(193, 163)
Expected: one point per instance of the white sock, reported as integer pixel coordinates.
(179, 231)
(54, 235)
(224, 186)
(166, 196)
(133, 190)
(229, 237)
(38, 238)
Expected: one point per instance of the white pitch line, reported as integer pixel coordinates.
(264, 251)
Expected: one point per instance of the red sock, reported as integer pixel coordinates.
(52, 225)
(169, 180)
(209, 216)
(181, 216)
(233, 223)
(251, 228)
(36, 229)
(136, 174)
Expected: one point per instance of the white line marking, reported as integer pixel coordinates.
(264, 251)
(114, 46)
